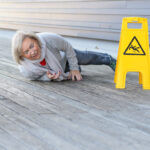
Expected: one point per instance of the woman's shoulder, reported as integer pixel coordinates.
(51, 39)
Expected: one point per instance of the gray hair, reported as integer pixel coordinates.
(17, 43)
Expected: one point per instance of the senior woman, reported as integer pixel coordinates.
(48, 56)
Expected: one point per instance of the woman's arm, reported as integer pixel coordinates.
(32, 76)
(64, 45)
(59, 43)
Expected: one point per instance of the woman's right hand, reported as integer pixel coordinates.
(53, 76)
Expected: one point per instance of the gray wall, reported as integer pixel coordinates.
(97, 19)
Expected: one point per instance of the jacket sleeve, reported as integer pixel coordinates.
(61, 44)
(31, 76)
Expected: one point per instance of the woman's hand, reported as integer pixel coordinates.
(75, 74)
(53, 76)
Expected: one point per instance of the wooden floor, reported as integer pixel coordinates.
(86, 115)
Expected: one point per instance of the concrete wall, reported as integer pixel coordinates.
(94, 19)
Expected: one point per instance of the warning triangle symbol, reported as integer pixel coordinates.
(134, 48)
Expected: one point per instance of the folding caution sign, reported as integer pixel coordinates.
(133, 52)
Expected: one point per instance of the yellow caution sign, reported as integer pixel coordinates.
(134, 48)
(133, 53)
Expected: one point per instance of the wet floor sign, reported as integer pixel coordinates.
(133, 52)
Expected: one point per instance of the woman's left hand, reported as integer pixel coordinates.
(53, 76)
(75, 74)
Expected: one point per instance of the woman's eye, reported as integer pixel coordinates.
(26, 52)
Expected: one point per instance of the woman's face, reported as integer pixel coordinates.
(30, 49)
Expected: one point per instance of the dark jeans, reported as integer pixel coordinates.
(91, 58)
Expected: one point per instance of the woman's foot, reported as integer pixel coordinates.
(112, 64)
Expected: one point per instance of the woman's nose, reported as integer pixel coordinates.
(33, 51)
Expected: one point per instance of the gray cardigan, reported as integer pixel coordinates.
(56, 44)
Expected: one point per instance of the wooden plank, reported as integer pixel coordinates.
(21, 135)
(65, 31)
(2, 147)
(27, 132)
(62, 23)
(138, 4)
(80, 119)
(53, 121)
(75, 32)
(65, 4)
(13, 142)
(104, 23)
(65, 17)
(29, 1)
(16, 117)
(109, 18)
(116, 11)
(52, 128)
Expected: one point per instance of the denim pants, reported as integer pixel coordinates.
(90, 58)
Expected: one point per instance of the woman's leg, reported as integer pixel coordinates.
(95, 58)
(67, 69)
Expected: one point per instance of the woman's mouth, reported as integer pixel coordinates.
(36, 56)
